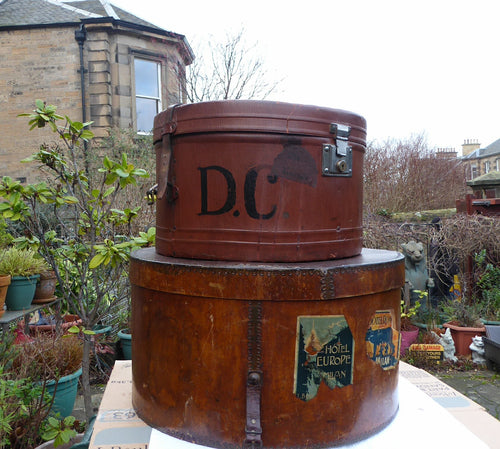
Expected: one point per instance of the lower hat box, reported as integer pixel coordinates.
(287, 355)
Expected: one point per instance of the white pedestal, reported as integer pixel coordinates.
(420, 423)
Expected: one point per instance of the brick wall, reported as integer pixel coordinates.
(35, 64)
(44, 64)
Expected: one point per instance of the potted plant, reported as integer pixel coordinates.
(464, 324)
(409, 332)
(54, 323)
(24, 266)
(90, 247)
(56, 361)
(27, 412)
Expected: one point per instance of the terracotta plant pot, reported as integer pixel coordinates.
(4, 285)
(67, 322)
(46, 285)
(462, 337)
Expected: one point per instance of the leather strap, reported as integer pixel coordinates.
(253, 429)
(163, 150)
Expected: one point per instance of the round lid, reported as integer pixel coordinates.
(256, 116)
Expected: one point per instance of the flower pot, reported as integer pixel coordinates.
(65, 393)
(68, 445)
(408, 337)
(126, 342)
(462, 337)
(46, 285)
(4, 285)
(490, 322)
(21, 292)
(427, 326)
(102, 330)
(67, 322)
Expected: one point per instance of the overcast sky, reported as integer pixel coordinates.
(408, 67)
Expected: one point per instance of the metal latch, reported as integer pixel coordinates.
(337, 158)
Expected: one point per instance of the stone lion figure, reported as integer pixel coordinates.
(415, 266)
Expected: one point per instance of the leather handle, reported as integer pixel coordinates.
(253, 429)
(163, 156)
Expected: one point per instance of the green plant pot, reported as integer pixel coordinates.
(490, 322)
(65, 394)
(21, 292)
(99, 329)
(126, 341)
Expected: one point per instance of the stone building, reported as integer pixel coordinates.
(94, 61)
(480, 161)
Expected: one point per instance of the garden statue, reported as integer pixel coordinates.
(477, 348)
(446, 341)
(416, 269)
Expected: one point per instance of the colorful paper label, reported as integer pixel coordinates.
(383, 339)
(324, 353)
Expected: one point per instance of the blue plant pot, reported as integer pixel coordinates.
(126, 342)
(65, 395)
(21, 292)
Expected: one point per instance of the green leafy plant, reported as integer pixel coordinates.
(21, 262)
(489, 287)
(91, 244)
(407, 313)
(61, 431)
(461, 313)
(25, 403)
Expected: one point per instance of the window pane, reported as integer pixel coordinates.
(146, 78)
(146, 111)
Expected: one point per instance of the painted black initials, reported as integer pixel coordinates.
(248, 192)
(250, 185)
(231, 191)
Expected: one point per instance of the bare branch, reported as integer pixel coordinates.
(234, 71)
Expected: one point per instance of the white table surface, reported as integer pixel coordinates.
(420, 423)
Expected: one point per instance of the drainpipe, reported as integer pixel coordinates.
(80, 37)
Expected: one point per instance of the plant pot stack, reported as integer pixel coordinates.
(268, 320)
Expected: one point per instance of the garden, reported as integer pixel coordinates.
(68, 237)
(76, 227)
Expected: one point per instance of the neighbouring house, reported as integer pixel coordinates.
(480, 161)
(94, 61)
(485, 197)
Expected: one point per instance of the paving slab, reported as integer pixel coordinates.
(482, 387)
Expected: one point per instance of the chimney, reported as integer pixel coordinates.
(469, 146)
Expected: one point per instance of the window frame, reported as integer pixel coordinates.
(159, 99)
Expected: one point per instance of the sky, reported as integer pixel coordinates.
(427, 67)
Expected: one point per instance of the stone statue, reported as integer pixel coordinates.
(416, 268)
(477, 348)
(446, 341)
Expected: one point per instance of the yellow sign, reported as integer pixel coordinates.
(429, 351)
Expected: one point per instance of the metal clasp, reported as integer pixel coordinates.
(337, 158)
